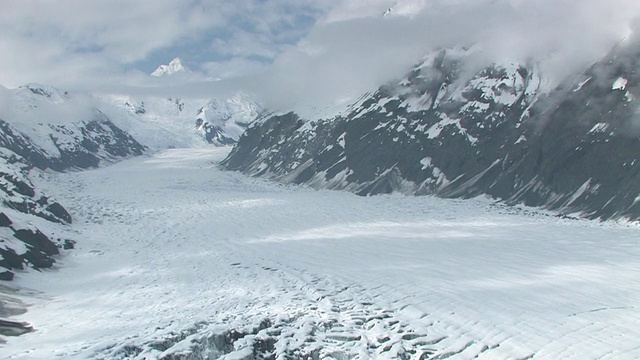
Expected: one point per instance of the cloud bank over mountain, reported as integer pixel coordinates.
(293, 52)
(355, 48)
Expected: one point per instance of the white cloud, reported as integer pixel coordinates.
(355, 48)
(235, 67)
(74, 41)
(45, 36)
(245, 44)
(352, 47)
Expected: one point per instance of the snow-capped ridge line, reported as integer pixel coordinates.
(499, 131)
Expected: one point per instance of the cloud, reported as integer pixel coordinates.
(73, 42)
(232, 68)
(293, 53)
(51, 40)
(355, 48)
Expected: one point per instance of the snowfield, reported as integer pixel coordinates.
(177, 259)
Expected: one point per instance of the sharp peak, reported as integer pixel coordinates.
(173, 67)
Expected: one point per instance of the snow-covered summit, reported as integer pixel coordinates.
(175, 66)
(222, 121)
(161, 122)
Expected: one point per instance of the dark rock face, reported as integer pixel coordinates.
(6, 276)
(4, 220)
(19, 193)
(69, 244)
(37, 240)
(58, 213)
(441, 131)
(39, 253)
(12, 328)
(95, 141)
(9, 259)
(11, 139)
(79, 145)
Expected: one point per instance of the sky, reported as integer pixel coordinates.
(290, 51)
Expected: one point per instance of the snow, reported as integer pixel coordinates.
(417, 103)
(620, 84)
(171, 122)
(174, 249)
(35, 110)
(175, 66)
(582, 84)
(341, 140)
(40, 111)
(165, 123)
(440, 177)
(436, 129)
(599, 128)
(493, 89)
(581, 191)
(378, 107)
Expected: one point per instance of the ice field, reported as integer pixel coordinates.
(176, 257)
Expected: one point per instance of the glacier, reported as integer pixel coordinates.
(181, 260)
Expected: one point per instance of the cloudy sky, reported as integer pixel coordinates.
(287, 49)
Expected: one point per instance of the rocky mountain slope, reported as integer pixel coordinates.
(447, 131)
(222, 122)
(43, 128)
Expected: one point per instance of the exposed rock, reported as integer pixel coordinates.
(12, 328)
(6, 275)
(440, 131)
(221, 122)
(9, 259)
(38, 240)
(4, 220)
(69, 244)
(38, 259)
(59, 212)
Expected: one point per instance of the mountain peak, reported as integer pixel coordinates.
(175, 66)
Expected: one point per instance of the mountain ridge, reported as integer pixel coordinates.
(497, 133)
(175, 66)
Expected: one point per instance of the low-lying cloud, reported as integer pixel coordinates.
(354, 46)
(347, 54)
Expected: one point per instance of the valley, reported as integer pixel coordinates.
(178, 259)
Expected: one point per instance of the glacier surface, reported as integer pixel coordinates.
(178, 259)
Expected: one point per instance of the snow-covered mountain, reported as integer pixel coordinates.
(28, 219)
(174, 66)
(57, 130)
(497, 131)
(190, 262)
(433, 278)
(161, 123)
(222, 122)
(54, 129)
(157, 122)
(43, 128)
